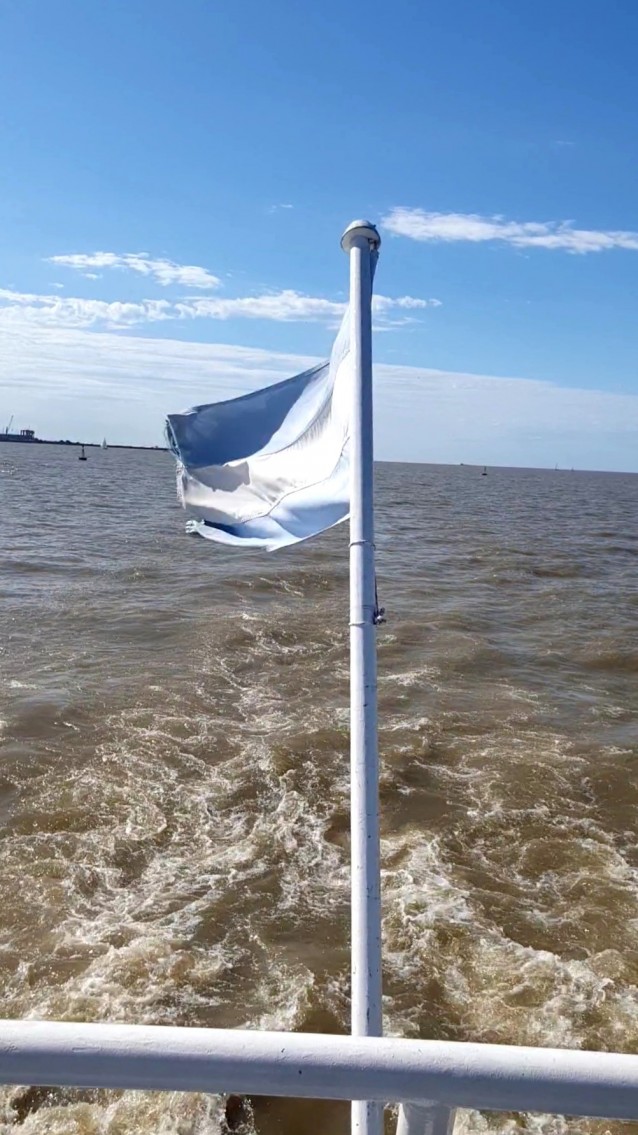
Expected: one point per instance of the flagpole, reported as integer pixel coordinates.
(361, 241)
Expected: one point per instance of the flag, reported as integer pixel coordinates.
(272, 467)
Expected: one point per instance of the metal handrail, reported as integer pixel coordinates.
(161, 1058)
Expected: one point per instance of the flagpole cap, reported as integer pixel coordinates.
(360, 230)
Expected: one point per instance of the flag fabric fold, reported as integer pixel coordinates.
(272, 467)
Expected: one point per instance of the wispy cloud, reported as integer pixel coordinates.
(67, 382)
(417, 224)
(381, 304)
(290, 306)
(164, 272)
(281, 307)
(71, 311)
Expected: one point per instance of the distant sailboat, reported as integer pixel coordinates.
(104, 445)
(484, 473)
(83, 456)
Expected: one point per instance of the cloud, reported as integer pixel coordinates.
(26, 308)
(381, 304)
(281, 307)
(290, 306)
(74, 383)
(164, 272)
(472, 228)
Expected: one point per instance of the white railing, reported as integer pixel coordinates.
(158, 1058)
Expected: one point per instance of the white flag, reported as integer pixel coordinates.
(272, 467)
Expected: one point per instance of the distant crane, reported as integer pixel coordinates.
(10, 424)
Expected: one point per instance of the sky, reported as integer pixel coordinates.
(175, 179)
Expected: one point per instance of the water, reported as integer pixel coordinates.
(174, 771)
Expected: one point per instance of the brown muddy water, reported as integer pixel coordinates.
(174, 772)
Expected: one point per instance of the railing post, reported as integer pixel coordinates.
(361, 241)
(425, 1118)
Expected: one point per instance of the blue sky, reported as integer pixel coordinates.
(213, 154)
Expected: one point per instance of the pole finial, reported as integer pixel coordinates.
(360, 230)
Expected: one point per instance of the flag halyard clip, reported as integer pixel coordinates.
(378, 615)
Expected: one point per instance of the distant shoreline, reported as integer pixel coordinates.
(469, 465)
(77, 444)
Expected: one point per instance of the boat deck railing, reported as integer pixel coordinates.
(430, 1077)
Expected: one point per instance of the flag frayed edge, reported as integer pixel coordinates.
(180, 471)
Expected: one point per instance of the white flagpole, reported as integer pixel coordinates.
(361, 241)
